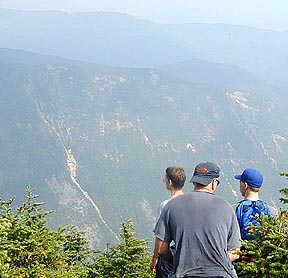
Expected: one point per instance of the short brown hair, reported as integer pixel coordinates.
(254, 189)
(176, 175)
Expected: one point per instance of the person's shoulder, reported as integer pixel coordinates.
(175, 200)
(223, 203)
(258, 203)
(217, 197)
(272, 210)
(235, 205)
(212, 199)
(163, 203)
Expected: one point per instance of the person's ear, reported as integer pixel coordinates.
(213, 185)
(245, 185)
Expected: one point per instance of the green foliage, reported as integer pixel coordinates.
(30, 249)
(129, 259)
(266, 256)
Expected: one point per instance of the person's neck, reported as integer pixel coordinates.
(176, 192)
(203, 189)
(253, 196)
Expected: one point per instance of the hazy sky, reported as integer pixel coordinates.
(265, 14)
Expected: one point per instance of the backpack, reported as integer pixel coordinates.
(247, 213)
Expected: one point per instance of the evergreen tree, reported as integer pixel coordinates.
(130, 258)
(29, 248)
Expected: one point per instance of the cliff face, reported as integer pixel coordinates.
(95, 141)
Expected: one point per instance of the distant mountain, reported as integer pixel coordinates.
(277, 74)
(104, 38)
(201, 71)
(249, 48)
(95, 140)
(118, 39)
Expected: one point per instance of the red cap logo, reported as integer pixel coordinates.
(202, 170)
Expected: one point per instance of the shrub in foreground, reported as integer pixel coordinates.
(29, 248)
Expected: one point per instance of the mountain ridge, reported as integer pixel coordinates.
(143, 43)
(96, 140)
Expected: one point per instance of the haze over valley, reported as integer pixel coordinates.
(95, 106)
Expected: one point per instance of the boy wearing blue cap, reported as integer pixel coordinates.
(252, 206)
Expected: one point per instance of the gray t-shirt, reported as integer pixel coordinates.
(204, 227)
(162, 205)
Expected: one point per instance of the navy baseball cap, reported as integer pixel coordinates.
(205, 172)
(252, 177)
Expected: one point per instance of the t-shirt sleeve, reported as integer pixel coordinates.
(161, 206)
(234, 206)
(162, 230)
(234, 237)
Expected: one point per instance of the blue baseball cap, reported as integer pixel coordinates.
(252, 177)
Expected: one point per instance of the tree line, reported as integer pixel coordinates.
(30, 248)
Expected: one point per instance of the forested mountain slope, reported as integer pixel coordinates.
(95, 140)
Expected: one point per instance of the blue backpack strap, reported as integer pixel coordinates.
(262, 207)
(243, 207)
